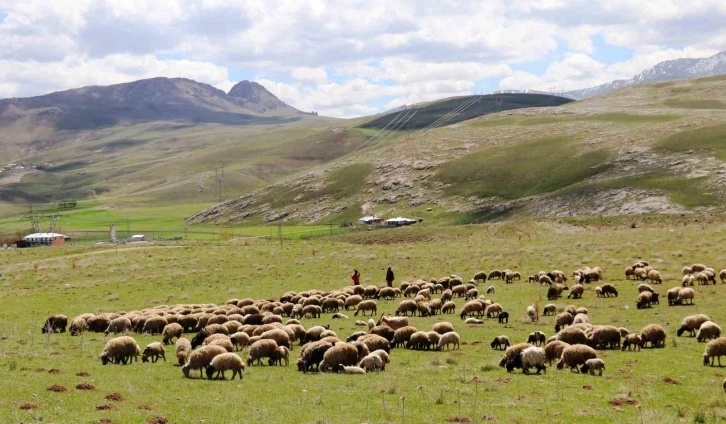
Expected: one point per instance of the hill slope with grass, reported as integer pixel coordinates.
(656, 148)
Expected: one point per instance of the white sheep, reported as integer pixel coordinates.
(592, 365)
(715, 349)
(154, 351)
(450, 338)
(709, 330)
(201, 358)
(224, 362)
(120, 350)
(532, 313)
(351, 369)
(372, 362)
(531, 357)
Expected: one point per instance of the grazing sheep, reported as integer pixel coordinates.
(580, 319)
(344, 354)
(352, 301)
(623, 332)
(532, 313)
(709, 330)
(418, 341)
(645, 287)
(55, 324)
(492, 289)
(282, 338)
(473, 321)
(553, 350)
(472, 307)
(592, 365)
(576, 291)
(511, 352)
(685, 294)
(572, 335)
(407, 306)
(239, 340)
(312, 354)
(383, 355)
(629, 272)
(443, 327)
(549, 309)
(692, 323)
(687, 270)
(183, 350)
(402, 335)
(448, 308)
(632, 341)
(263, 348)
(503, 317)
(355, 336)
(480, 277)
(644, 300)
(500, 343)
(493, 311)
(171, 331)
(120, 350)
(715, 349)
(280, 354)
(653, 334)
(537, 338)
(371, 324)
(573, 356)
(531, 357)
(654, 277)
(154, 325)
(563, 320)
(673, 295)
(722, 275)
(312, 334)
(375, 342)
(350, 370)
(384, 331)
(224, 362)
(201, 358)
(494, 274)
(154, 351)
(372, 362)
(79, 325)
(604, 337)
(393, 322)
(698, 268)
(224, 342)
(120, 325)
(688, 280)
(702, 278)
(450, 338)
(609, 290)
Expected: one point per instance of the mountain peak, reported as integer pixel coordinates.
(254, 96)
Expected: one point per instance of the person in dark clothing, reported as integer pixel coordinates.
(355, 277)
(389, 277)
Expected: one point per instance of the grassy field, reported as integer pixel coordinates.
(668, 385)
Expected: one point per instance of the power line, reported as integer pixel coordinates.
(379, 134)
(452, 112)
(390, 134)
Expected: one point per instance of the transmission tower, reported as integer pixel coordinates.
(35, 218)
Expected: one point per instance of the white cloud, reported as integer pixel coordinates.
(313, 75)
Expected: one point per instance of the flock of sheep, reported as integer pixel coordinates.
(269, 329)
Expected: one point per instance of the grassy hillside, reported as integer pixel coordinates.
(640, 150)
(465, 107)
(465, 385)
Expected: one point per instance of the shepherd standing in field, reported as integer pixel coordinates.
(355, 277)
(389, 277)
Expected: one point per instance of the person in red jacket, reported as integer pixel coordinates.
(355, 277)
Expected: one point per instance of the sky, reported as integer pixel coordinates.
(346, 58)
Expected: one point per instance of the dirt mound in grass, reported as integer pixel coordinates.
(57, 388)
(158, 420)
(40, 370)
(670, 381)
(54, 371)
(145, 408)
(105, 421)
(457, 420)
(82, 374)
(106, 407)
(85, 386)
(623, 400)
(115, 396)
(28, 406)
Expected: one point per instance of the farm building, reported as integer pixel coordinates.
(43, 239)
(138, 237)
(400, 221)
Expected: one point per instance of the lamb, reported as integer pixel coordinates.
(531, 357)
(120, 325)
(344, 354)
(372, 362)
(171, 331)
(473, 321)
(183, 349)
(592, 365)
(576, 291)
(692, 323)
(201, 358)
(154, 351)
(532, 313)
(632, 341)
(443, 327)
(239, 340)
(500, 343)
(685, 294)
(511, 352)
(55, 324)
(688, 280)
(553, 350)
(351, 370)
(537, 338)
(263, 348)
(563, 320)
(709, 330)
(653, 334)
(383, 355)
(573, 356)
(120, 350)
(338, 315)
(715, 349)
(280, 354)
(549, 309)
(450, 338)
(224, 362)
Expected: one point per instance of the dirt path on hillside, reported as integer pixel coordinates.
(92, 253)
